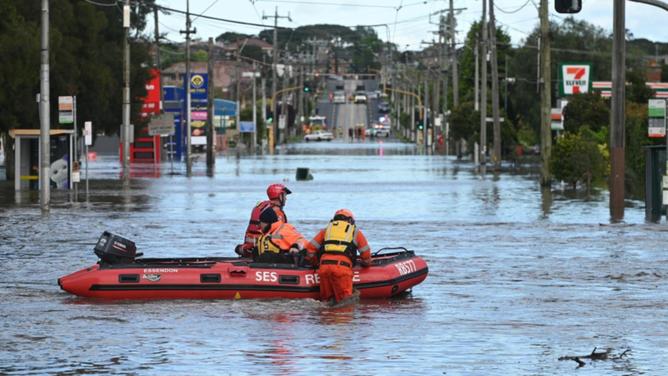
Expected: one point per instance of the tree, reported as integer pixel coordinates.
(589, 110)
(575, 159)
(85, 60)
(465, 122)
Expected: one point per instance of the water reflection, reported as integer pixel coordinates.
(545, 202)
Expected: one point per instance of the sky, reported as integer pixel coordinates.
(408, 21)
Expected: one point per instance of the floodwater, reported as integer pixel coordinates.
(518, 277)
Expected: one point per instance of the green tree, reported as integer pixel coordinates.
(590, 110)
(465, 122)
(85, 60)
(576, 160)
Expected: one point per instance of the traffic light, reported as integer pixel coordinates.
(420, 124)
(307, 88)
(568, 6)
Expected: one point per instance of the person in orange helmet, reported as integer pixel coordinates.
(277, 194)
(279, 242)
(336, 246)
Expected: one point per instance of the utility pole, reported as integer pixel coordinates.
(273, 75)
(477, 76)
(425, 116)
(545, 95)
(300, 93)
(187, 32)
(44, 115)
(126, 92)
(157, 52)
(617, 113)
(263, 84)
(453, 56)
(483, 87)
(254, 136)
(496, 155)
(210, 160)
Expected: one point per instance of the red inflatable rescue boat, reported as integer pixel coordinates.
(120, 275)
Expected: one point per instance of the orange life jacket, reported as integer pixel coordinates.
(253, 231)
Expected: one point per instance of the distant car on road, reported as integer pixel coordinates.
(383, 132)
(360, 97)
(339, 97)
(383, 107)
(319, 136)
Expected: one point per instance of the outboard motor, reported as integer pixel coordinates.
(113, 249)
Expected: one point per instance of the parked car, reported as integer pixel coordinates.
(319, 136)
(360, 97)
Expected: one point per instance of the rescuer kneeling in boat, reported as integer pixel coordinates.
(337, 246)
(279, 242)
(277, 194)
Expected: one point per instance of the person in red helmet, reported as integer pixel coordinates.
(279, 241)
(277, 194)
(336, 247)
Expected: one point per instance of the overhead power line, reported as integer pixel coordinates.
(325, 3)
(512, 11)
(218, 18)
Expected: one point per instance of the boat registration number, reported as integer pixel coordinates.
(406, 267)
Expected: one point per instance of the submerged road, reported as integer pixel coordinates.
(518, 276)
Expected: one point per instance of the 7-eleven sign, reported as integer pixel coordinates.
(575, 78)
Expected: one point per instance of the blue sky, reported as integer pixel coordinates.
(412, 27)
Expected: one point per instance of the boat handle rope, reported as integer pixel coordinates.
(390, 249)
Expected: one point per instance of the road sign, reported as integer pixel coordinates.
(281, 122)
(657, 118)
(250, 74)
(162, 125)
(88, 133)
(65, 110)
(246, 127)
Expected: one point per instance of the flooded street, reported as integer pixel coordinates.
(517, 277)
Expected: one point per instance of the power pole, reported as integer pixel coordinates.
(273, 75)
(254, 136)
(126, 92)
(157, 52)
(545, 95)
(425, 117)
(496, 156)
(187, 32)
(617, 113)
(210, 160)
(263, 84)
(300, 93)
(476, 93)
(483, 87)
(44, 115)
(453, 56)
